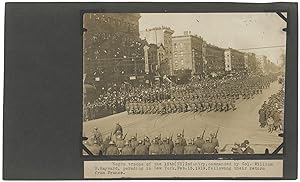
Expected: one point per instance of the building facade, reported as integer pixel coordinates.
(235, 61)
(153, 57)
(214, 59)
(112, 49)
(251, 64)
(161, 36)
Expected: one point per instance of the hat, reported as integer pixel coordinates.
(207, 139)
(126, 143)
(111, 142)
(140, 141)
(179, 135)
(246, 142)
(177, 141)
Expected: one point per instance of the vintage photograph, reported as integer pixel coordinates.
(183, 83)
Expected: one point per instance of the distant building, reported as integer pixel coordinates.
(251, 64)
(161, 36)
(187, 53)
(235, 61)
(154, 55)
(262, 61)
(214, 59)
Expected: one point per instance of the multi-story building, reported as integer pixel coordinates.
(153, 57)
(235, 61)
(213, 59)
(261, 61)
(187, 53)
(112, 49)
(161, 36)
(251, 63)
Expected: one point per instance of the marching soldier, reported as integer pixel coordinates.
(246, 149)
(165, 147)
(141, 149)
(97, 136)
(181, 139)
(170, 142)
(208, 147)
(214, 140)
(147, 142)
(95, 148)
(199, 142)
(190, 148)
(178, 149)
(120, 143)
(127, 150)
(112, 149)
(134, 143)
(154, 148)
(119, 129)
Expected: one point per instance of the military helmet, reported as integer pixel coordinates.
(126, 142)
(140, 141)
(246, 142)
(207, 139)
(111, 142)
(177, 142)
(179, 135)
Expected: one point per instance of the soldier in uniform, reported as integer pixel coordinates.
(214, 140)
(127, 150)
(120, 143)
(245, 148)
(154, 148)
(262, 117)
(141, 149)
(190, 148)
(95, 148)
(97, 136)
(170, 142)
(178, 149)
(165, 147)
(199, 142)
(105, 145)
(134, 143)
(112, 149)
(119, 128)
(147, 142)
(181, 139)
(208, 147)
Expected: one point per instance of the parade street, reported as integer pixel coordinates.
(234, 126)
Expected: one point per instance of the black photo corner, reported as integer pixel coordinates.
(43, 88)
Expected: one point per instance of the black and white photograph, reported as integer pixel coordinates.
(183, 83)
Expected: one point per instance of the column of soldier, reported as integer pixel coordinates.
(159, 145)
(271, 112)
(206, 96)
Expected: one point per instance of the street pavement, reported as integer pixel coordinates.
(234, 126)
